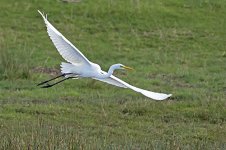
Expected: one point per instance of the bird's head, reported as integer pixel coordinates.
(121, 66)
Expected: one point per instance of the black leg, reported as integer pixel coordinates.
(62, 75)
(50, 85)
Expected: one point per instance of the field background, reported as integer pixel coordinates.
(176, 46)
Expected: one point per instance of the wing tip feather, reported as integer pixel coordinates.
(43, 15)
(165, 97)
(157, 96)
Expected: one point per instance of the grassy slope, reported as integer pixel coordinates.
(175, 46)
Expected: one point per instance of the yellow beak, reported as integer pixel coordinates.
(127, 68)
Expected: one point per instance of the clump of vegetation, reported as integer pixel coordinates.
(14, 66)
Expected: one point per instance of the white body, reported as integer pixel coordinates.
(80, 66)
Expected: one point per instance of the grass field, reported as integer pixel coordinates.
(176, 46)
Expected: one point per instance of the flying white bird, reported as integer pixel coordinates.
(79, 66)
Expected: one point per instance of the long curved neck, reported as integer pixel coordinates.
(109, 73)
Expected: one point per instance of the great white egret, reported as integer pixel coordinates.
(79, 66)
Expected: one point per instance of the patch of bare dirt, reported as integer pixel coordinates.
(50, 71)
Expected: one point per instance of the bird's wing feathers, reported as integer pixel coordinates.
(111, 81)
(68, 51)
(71, 54)
(118, 82)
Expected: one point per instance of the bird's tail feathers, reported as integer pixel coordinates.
(66, 67)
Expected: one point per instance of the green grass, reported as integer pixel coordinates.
(176, 47)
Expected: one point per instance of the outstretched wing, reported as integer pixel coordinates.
(117, 82)
(67, 50)
(111, 81)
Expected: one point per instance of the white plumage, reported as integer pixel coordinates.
(79, 66)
